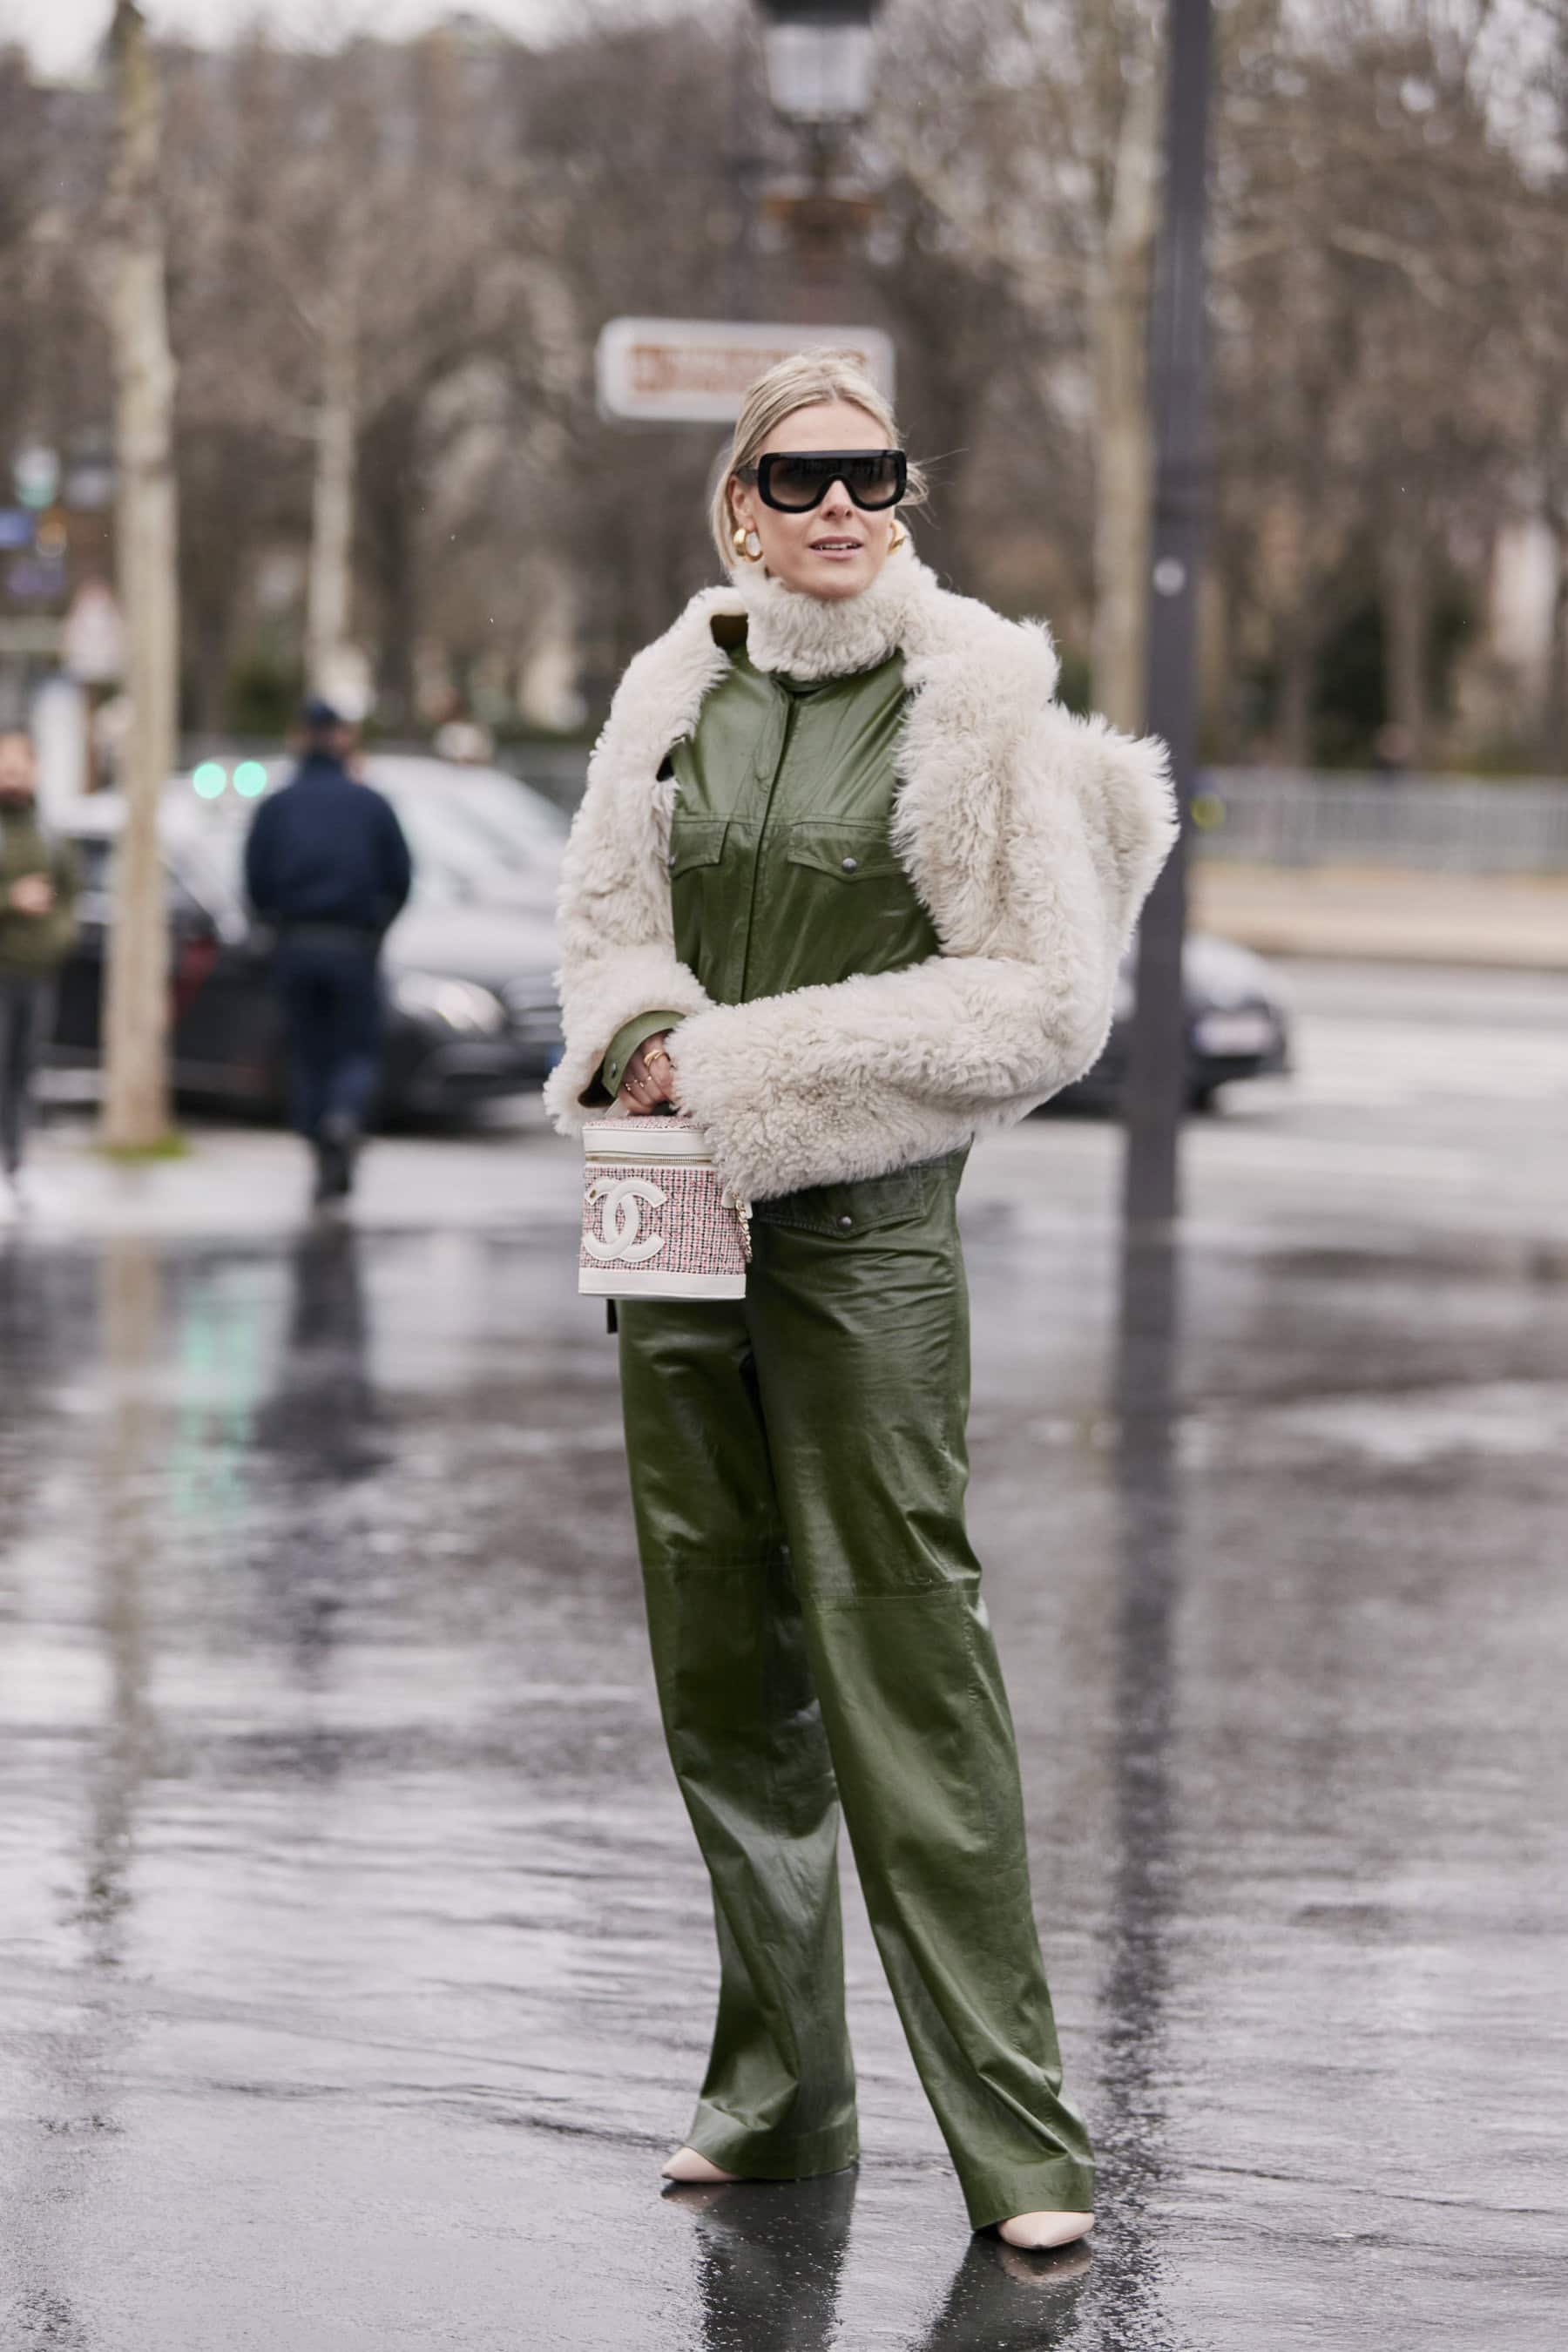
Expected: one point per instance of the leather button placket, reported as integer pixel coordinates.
(773, 757)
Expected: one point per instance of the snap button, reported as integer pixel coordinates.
(851, 865)
(845, 1225)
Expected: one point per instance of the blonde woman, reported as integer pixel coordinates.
(848, 887)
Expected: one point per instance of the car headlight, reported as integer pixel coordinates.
(460, 1004)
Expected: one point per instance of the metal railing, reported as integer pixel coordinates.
(1459, 824)
(1279, 817)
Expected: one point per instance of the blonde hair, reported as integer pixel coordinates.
(804, 380)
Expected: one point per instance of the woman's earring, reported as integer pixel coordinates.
(898, 537)
(741, 540)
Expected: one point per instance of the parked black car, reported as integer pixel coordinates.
(1237, 1025)
(471, 1000)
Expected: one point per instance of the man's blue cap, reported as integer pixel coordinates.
(320, 714)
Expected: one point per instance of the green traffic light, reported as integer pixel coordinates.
(210, 779)
(249, 779)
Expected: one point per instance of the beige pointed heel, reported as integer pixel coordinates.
(687, 2165)
(1036, 2233)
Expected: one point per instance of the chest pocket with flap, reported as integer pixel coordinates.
(850, 853)
(695, 841)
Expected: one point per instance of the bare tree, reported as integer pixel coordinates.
(1035, 129)
(388, 266)
(136, 1084)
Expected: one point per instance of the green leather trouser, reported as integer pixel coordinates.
(798, 1469)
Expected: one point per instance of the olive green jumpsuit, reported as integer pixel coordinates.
(798, 1469)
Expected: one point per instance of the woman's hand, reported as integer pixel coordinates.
(650, 1078)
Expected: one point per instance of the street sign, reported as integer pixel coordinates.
(698, 371)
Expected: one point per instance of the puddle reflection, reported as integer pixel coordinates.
(1128, 2316)
(127, 1554)
(1003, 2301)
(770, 2254)
(80, 2064)
(320, 1435)
(770, 2259)
(322, 1417)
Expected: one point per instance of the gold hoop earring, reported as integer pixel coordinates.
(898, 537)
(741, 540)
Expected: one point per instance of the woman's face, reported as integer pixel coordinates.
(834, 550)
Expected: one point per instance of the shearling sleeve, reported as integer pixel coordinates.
(616, 934)
(616, 929)
(885, 1069)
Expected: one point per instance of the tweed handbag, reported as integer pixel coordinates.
(658, 1221)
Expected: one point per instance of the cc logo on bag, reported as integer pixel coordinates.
(620, 1220)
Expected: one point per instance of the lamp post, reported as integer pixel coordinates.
(819, 57)
(1156, 1076)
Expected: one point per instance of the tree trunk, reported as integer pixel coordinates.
(1405, 629)
(330, 586)
(1124, 454)
(136, 1077)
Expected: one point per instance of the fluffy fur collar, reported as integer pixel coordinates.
(817, 636)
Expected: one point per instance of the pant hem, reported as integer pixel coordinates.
(771, 2156)
(1060, 2185)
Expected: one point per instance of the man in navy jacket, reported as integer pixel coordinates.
(327, 867)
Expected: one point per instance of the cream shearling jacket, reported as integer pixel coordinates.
(1031, 836)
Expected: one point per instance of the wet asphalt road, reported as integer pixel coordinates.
(355, 1966)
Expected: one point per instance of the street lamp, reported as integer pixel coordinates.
(818, 55)
(818, 58)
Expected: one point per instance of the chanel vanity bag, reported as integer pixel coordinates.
(658, 1221)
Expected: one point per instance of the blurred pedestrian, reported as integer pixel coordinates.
(37, 932)
(328, 869)
(848, 885)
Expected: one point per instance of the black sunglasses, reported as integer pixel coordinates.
(795, 480)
